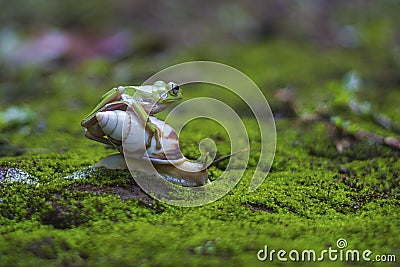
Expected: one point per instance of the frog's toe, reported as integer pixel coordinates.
(148, 142)
(158, 144)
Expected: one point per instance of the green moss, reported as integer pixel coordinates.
(312, 197)
(307, 201)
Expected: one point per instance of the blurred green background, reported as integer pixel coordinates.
(62, 56)
(69, 53)
(58, 57)
(277, 43)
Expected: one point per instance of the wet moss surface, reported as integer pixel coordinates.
(312, 197)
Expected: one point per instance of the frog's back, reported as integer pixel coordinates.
(109, 97)
(139, 90)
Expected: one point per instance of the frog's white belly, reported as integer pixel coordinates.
(149, 105)
(152, 108)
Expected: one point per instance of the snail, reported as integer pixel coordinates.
(125, 131)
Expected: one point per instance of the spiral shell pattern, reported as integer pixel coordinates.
(116, 122)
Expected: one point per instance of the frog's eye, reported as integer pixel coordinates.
(174, 88)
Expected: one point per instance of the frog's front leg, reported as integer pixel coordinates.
(144, 117)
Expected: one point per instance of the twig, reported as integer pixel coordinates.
(360, 134)
(386, 122)
(288, 99)
(364, 109)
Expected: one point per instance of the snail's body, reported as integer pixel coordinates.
(169, 172)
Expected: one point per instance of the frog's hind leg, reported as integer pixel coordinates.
(144, 117)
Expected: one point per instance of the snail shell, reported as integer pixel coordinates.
(124, 127)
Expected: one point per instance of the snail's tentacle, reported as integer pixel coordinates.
(225, 157)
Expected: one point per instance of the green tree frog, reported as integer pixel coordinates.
(144, 100)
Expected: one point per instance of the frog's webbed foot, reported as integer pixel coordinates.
(158, 143)
(155, 132)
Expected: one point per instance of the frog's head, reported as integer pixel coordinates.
(168, 92)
